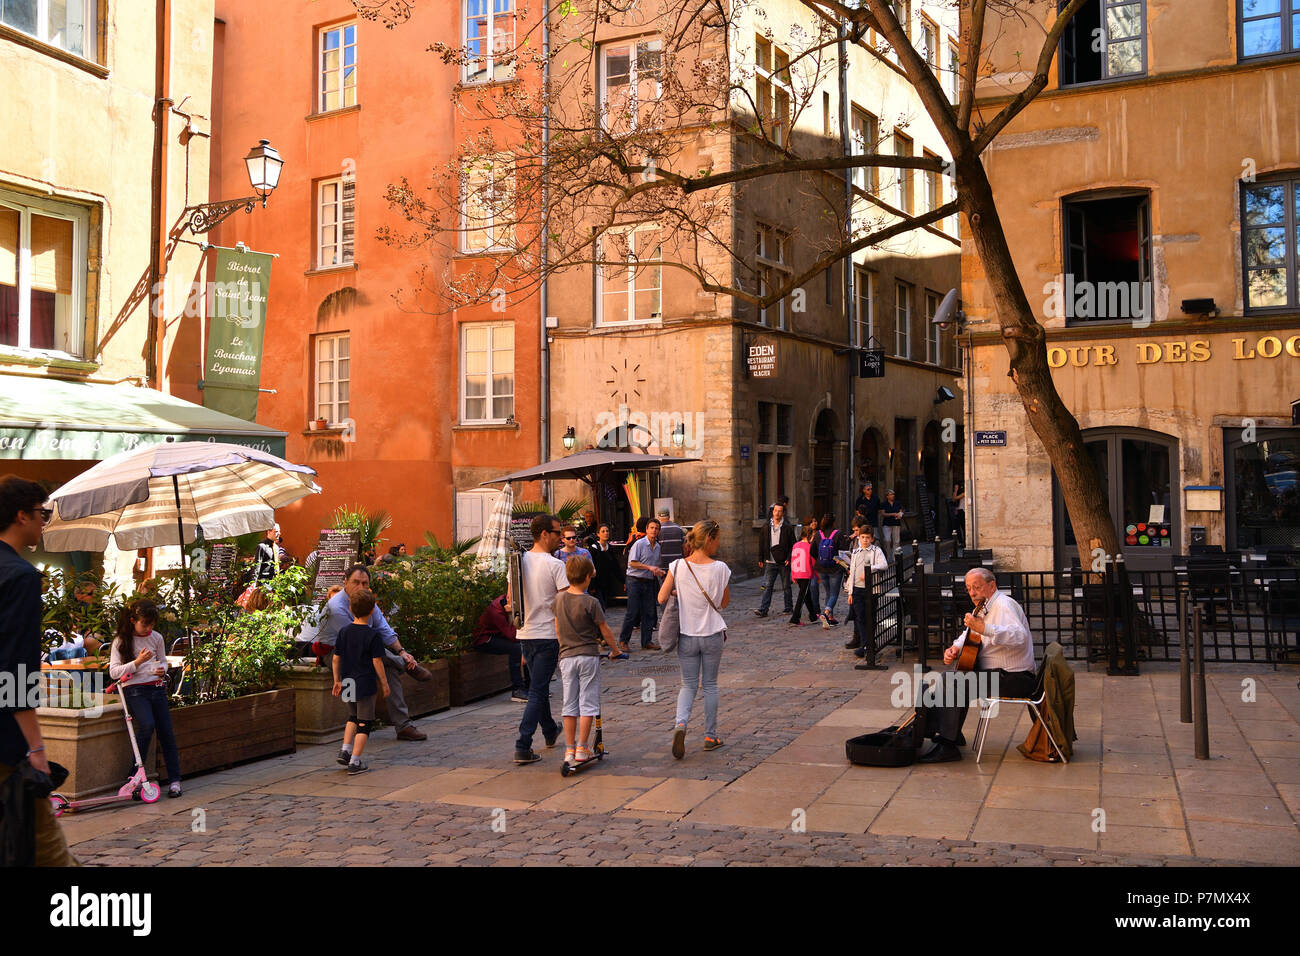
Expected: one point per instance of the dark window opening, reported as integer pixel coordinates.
(1108, 259)
(1105, 39)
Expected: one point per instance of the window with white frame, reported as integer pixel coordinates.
(903, 185)
(902, 320)
(954, 72)
(866, 131)
(928, 43)
(337, 67)
(487, 205)
(933, 355)
(903, 11)
(333, 378)
(67, 24)
(631, 82)
(43, 261)
(629, 276)
(774, 271)
(489, 40)
(335, 222)
(864, 289)
(1104, 40)
(772, 90)
(774, 454)
(933, 186)
(487, 361)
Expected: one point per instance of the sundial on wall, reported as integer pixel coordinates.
(624, 381)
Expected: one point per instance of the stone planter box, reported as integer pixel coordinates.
(422, 697)
(221, 733)
(92, 744)
(475, 675)
(319, 716)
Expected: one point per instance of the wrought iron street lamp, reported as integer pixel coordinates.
(570, 439)
(264, 166)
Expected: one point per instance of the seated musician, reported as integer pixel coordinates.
(1006, 653)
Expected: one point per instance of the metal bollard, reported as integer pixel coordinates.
(1184, 663)
(1201, 730)
(922, 617)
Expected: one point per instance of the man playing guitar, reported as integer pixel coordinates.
(1006, 652)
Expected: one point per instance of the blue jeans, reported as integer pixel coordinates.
(772, 571)
(542, 656)
(149, 711)
(643, 607)
(699, 657)
(832, 582)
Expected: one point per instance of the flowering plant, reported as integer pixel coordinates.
(434, 600)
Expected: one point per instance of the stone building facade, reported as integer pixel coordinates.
(797, 430)
(1150, 197)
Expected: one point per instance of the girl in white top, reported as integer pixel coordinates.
(139, 664)
(703, 587)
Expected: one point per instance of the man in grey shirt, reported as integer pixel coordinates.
(671, 538)
(644, 569)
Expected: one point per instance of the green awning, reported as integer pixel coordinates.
(49, 418)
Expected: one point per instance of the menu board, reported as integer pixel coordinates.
(221, 562)
(521, 531)
(335, 551)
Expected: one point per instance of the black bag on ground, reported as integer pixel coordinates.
(894, 746)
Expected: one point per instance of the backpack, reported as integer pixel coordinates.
(825, 548)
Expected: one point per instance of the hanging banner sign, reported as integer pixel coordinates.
(871, 363)
(233, 365)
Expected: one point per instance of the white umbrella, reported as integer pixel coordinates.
(160, 494)
(494, 545)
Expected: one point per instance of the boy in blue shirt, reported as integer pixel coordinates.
(359, 663)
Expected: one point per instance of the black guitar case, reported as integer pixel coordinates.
(894, 746)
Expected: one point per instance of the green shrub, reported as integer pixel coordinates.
(433, 600)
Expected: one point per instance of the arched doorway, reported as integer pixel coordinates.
(1138, 472)
(611, 494)
(823, 490)
(870, 466)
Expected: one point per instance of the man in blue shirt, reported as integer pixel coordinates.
(396, 660)
(644, 569)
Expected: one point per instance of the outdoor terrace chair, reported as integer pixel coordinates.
(988, 707)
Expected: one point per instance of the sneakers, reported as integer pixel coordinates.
(344, 758)
(794, 623)
(519, 697)
(826, 623)
(356, 767)
(568, 756)
(679, 742)
(652, 646)
(582, 754)
(760, 614)
(174, 789)
(712, 743)
(550, 741)
(527, 756)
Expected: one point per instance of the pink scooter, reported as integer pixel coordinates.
(138, 787)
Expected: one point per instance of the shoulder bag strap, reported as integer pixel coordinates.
(701, 586)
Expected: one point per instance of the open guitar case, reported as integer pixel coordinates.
(894, 746)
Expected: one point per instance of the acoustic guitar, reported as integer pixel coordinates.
(971, 648)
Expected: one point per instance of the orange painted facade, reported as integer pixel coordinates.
(408, 449)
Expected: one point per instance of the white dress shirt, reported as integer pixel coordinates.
(1006, 643)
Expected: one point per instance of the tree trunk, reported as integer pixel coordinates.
(1025, 339)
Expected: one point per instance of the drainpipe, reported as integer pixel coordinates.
(971, 505)
(845, 140)
(544, 399)
(153, 359)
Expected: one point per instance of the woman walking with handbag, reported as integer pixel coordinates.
(703, 590)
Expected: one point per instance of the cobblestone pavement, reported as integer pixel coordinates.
(780, 791)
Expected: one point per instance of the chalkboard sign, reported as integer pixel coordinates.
(220, 563)
(925, 508)
(335, 551)
(520, 530)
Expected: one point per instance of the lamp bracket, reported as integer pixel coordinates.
(202, 218)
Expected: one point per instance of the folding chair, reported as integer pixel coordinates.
(1033, 702)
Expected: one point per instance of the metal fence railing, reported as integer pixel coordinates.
(1117, 617)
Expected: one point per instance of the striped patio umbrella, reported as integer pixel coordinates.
(494, 546)
(159, 494)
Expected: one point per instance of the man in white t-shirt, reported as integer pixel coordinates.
(543, 578)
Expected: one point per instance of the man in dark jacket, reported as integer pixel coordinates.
(495, 634)
(776, 545)
(22, 518)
